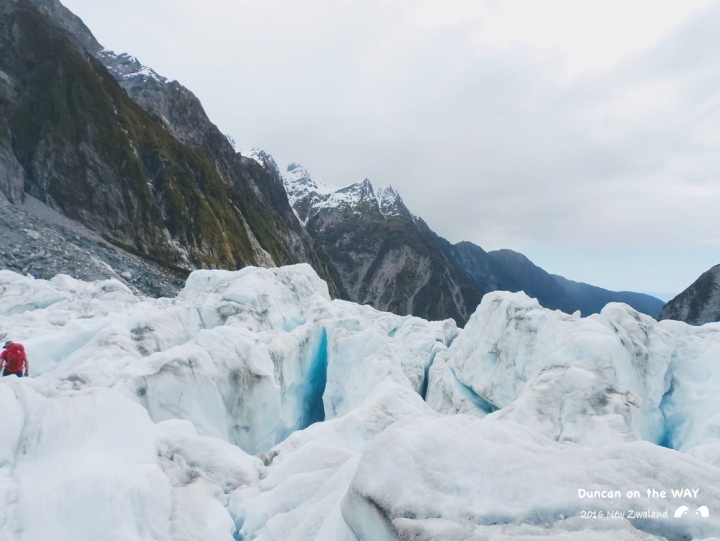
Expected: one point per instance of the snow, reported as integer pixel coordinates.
(308, 196)
(253, 406)
(299, 183)
(127, 67)
(305, 191)
(144, 71)
(389, 201)
(260, 156)
(302, 188)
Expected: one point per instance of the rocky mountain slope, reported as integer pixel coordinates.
(130, 156)
(392, 260)
(386, 257)
(699, 303)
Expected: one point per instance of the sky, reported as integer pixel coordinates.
(585, 135)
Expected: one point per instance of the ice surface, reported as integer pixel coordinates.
(254, 407)
(585, 380)
(509, 481)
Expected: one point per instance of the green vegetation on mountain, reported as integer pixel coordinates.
(89, 150)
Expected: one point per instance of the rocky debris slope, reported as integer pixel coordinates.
(138, 164)
(699, 303)
(392, 260)
(252, 407)
(39, 241)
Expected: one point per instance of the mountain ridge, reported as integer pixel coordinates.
(145, 168)
(394, 247)
(699, 303)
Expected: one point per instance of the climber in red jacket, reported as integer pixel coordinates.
(13, 360)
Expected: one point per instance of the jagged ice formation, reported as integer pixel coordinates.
(254, 407)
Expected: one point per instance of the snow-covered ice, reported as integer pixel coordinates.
(254, 407)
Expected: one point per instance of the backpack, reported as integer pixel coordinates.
(15, 357)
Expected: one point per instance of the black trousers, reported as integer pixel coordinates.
(18, 374)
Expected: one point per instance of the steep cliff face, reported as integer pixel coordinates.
(392, 260)
(699, 303)
(151, 174)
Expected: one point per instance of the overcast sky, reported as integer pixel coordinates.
(585, 134)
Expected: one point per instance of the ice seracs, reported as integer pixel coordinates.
(510, 482)
(599, 378)
(253, 406)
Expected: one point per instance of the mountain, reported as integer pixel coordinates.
(152, 190)
(513, 271)
(130, 156)
(389, 258)
(699, 303)
(591, 299)
(386, 257)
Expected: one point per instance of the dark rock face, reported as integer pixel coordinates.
(131, 156)
(68, 21)
(699, 303)
(392, 260)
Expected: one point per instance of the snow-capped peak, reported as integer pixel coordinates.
(389, 200)
(261, 157)
(386, 193)
(127, 67)
(350, 195)
(256, 154)
(297, 175)
(366, 188)
(299, 184)
(304, 191)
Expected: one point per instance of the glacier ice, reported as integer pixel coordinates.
(584, 380)
(254, 407)
(509, 481)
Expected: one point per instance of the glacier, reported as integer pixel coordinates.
(254, 407)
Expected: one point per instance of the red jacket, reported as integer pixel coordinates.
(14, 358)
